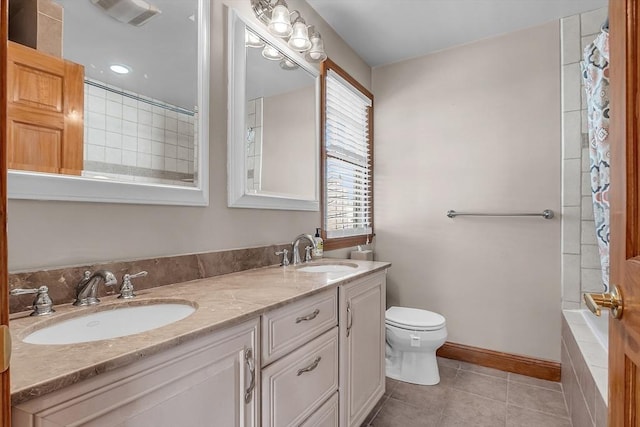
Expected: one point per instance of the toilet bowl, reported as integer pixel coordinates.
(413, 336)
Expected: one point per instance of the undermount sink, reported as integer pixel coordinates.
(329, 268)
(111, 323)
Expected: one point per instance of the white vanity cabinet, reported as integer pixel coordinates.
(300, 362)
(362, 341)
(210, 381)
(315, 362)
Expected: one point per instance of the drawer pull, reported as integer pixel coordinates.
(308, 316)
(248, 358)
(311, 367)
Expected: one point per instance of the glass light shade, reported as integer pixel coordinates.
(316, 53)
(270, 52)
(251, 40)
(287, 64)
(299, 40)
(280, 24)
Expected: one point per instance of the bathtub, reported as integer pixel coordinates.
(585, 340)
(599, 326)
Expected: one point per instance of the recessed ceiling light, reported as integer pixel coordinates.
(120, 69)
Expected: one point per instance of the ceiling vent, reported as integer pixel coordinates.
(133, 12)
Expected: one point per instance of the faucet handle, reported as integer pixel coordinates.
(126, 290)
(307, 254)
(42, 303)
(285, 257)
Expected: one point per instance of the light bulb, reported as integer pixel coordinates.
(280, 24)
(120, 69)
(270, 52)
(316, 53)
(299, 40)
(251, 40)
(287, 64)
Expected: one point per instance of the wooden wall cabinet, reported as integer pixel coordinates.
(45, 126)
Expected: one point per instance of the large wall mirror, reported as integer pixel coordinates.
(143, 106)
(273, 130)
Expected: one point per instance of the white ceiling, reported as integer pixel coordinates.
(387, 31)
(162, 53)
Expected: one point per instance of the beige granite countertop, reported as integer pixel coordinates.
(221, 301)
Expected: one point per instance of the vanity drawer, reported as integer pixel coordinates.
(287, 328)
(326, 415)
(296, 385)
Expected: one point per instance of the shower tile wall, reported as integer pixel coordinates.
(127, 131)
(254, 143)
(580, 259)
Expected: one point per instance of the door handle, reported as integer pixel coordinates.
(5, 347)
(611, 300)
(349, 318)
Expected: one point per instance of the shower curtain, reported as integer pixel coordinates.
(595, 73)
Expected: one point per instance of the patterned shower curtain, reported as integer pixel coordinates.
(595, 73)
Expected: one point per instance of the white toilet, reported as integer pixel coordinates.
(413, 336)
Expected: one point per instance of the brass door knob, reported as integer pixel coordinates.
(611, 300)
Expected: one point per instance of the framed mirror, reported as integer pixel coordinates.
(145, 135)
(274, 122)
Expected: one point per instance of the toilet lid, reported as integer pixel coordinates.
(414, 318)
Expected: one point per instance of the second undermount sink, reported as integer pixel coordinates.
(342, 267)
(111, 323)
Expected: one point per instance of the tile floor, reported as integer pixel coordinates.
(472, 396)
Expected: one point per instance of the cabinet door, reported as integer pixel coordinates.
(362, 364)
(207, 382)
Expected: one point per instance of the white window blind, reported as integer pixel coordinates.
(348, 206)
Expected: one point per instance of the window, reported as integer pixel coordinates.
(347, 159)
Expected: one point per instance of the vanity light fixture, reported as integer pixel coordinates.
(270, 52)
(299, 40)
(252, 40)
(280, 22)
(120, 69)
(316, 53)
(287, 64)
(275, 14)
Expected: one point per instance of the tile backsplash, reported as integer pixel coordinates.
(162, 271)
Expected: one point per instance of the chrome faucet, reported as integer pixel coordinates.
(296, 243)
(42, 304)
(126, 289)
(87, 288)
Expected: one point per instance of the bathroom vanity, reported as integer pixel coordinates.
(273, 347)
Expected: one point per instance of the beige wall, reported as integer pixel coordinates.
(289, 143)
(49, 234)
(474, 128)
